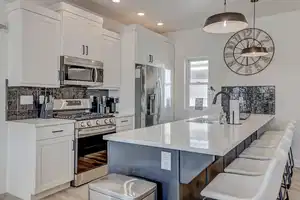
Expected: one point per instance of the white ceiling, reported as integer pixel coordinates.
(178, 14)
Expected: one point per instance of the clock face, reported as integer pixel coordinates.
(248, 65)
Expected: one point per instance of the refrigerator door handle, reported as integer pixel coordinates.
(151, 106)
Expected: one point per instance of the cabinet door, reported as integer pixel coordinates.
(40, 49)
(73, 35)
(170, 56)
(55, 162)
(94, 40)
(112, 62)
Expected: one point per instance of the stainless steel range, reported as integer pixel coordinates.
(90, 148)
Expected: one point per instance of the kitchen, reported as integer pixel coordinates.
(120, 85)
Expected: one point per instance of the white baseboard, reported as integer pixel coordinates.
(297, 163)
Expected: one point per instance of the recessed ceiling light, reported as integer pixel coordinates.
(116, 1)
(160, 24)
(140, 14)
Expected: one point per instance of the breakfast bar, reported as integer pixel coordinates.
(182, 157)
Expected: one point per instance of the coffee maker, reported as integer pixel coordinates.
(112, 103)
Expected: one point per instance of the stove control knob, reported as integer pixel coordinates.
(98, 122)
(112, 121)
(89, 123)
(82, 124)
(106, 121)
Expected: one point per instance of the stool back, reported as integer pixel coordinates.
(272, 180)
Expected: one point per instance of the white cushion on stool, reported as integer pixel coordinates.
(258, 153)
(233, 187)
(273, 133)
(248, 167)
(272, 143)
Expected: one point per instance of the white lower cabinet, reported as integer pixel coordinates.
(55, 162)
(124, 123)
(40, 158)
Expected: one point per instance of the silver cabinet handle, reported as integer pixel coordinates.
(58, 131)
(124, 121)
(87, 50)
(83, 50)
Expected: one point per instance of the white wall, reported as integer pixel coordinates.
(283, 72)
(3, 128)
(190, 44)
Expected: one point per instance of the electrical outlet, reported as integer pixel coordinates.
(26, 100)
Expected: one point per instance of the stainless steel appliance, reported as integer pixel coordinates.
(90, 148)
(78, 71)
(153, 96)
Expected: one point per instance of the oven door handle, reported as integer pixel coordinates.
(93, 133)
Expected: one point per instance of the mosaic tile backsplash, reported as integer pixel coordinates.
(16, 111)
(257, 99)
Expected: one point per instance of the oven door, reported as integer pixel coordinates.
(76, 71)
(91, 148)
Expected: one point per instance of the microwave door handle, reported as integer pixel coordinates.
(96, 75)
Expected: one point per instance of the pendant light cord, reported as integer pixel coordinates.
(225, 5)
(254, 17)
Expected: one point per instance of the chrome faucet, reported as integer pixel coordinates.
(228, 101)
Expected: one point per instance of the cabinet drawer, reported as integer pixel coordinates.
(124, 128)
(124, 121)
(54, 131)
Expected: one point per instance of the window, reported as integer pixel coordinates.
(196, 81)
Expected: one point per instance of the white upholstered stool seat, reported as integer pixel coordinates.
(258, 153)
(274, 133)
(248, 167)
(266, 143)
(233, 187)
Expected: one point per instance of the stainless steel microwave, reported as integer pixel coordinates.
(78, 71)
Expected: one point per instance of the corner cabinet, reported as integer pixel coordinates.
(81, 34)
(33, 45)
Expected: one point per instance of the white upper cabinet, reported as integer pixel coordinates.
(81, 34)
(33, 45)
(150, 47)
(112, 60)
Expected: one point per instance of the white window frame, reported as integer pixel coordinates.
(188, 83)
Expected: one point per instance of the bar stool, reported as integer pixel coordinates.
(224, 186)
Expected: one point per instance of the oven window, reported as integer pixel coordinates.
(92, 153)
(77, 73)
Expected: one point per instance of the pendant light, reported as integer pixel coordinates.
(226, 22)
(254, 51)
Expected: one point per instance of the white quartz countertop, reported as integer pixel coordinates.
(43, 122)
(212, 139)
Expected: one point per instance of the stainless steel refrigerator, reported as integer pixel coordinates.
(153, 96)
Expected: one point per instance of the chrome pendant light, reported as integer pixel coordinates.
(226, 22)
(254, 51)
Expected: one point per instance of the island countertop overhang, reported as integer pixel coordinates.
(204, 138)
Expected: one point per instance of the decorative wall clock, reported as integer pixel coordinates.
(248, 66)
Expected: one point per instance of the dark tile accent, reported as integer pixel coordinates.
(15, 111)
(12, 115)
(257, 99)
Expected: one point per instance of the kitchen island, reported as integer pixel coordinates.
(182, 156)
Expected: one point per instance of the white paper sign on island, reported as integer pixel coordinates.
(166, 161)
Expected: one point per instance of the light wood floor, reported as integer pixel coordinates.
(81, 193)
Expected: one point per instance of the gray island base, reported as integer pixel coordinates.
(189, 173)
(182, 157)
